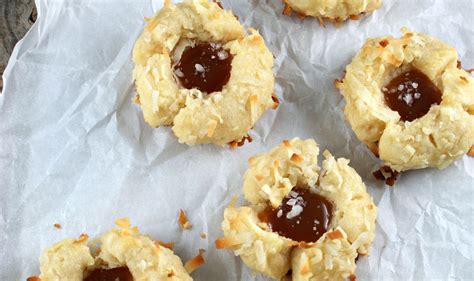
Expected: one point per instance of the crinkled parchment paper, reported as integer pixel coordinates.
(75, 150)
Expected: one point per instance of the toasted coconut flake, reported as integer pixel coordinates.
(33, 278)
(258, 177)
(352, 277)
(123, 223)
(384, 43)
(136, 99)
(338, 83)
(336, 234)
(57, 226)
(251, 160)
(287, 143)
(296, 158)
(374, 148)
(82, 238)
(276, 102)
(225, 242)
(471, 151)
(469, 70)
(354, 17)
(195, 262)
(235, 144)
(171, 273)
(464, 79)
(287, 10)
(183, 220)
(169, 245)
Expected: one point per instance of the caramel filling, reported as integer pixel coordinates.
(411, 94)
(204, 66)
(303, 216)
(113, 274)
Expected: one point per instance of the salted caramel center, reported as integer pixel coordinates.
(303, 216)
(411, 94)
(112, 274)
(204, 66)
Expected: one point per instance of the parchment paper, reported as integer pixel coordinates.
(75, 150)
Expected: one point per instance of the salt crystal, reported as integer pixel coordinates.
(295, 211)
(279, 213)
(222, 55)
(316, 221)
(213, 57)
(292, 202)
(401, 87)
(408, 99)
(384, 89)
(198, 67)
(415, 85)
(293, 194)
(417, 95)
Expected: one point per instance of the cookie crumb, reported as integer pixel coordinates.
(202, 235)
(57, 226)
(386, 174)
(183, 220)
(195, 262)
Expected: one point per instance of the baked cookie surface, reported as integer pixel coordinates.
(409, 102)
(333, 10)
(313, 221)
(120, 253)
(199, 71)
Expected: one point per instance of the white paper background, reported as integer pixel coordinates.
(74, 150)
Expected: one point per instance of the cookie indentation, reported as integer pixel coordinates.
(411, 94)
(303, 216)
(205, 66)
(112, 274)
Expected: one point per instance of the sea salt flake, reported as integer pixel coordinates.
(279, 213)
(295, 211)
(222, 55)
(199, 68)
(417, 95)
(292, 202)
(401, 87)
(415, 85)
(293, 194)
(408, 99)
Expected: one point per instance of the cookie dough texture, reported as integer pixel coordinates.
(73, 259)
(270, 177)
(436, 139)
(220, 117)
(333, 10)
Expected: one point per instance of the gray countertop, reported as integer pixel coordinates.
(16, 18)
